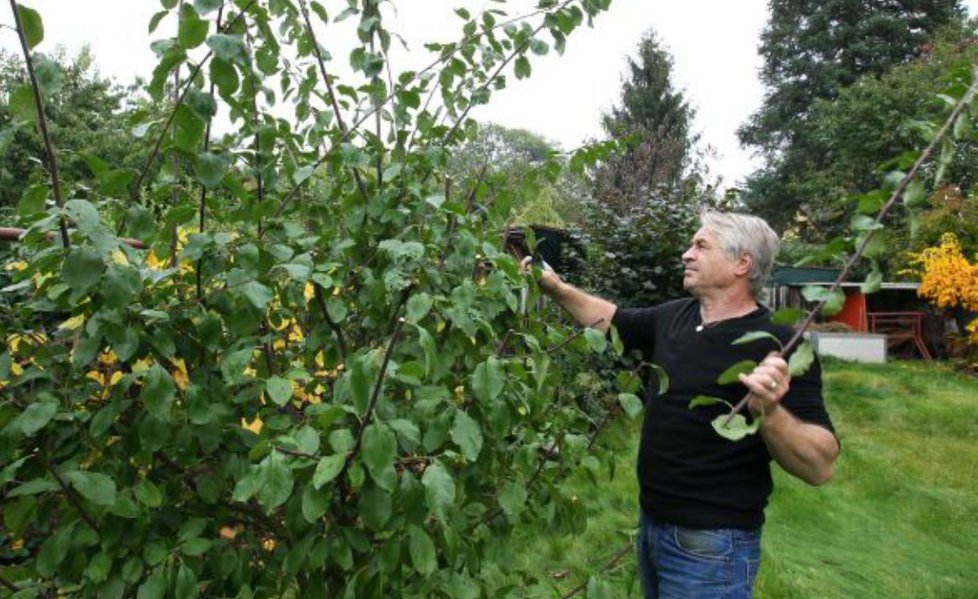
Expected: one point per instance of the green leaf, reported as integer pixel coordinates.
(196, 546)
(83, 213)
(512, 499)
(375, 507)
(32, 25)
(422, 551)
(487, 380)
(873, 282)
(98, 567)
(663, 377)
(148, 494)
(259, 295)
(314, 503)
(302, 173)
(206, 6)
(756, 336)
(616, 342)
(229, 48)
(539, 47)
(915, 195)
(211, 169)
(379, 451)
(154, 587)
(429, 348)
(467, 434)
(233, 365)
(730, 375)
(188, 129)
(599, 588)
(279, 390)
(158, 392)
(738, 427)
(185, 586)
(93, 486)
(225, 76)
(33, 200)
(787, 316)
(631, 404)
(54, 550)
(49, 76)
(439, 490)
(21, 104)
(82, 269)
(359, 385)
(418, 307)
(522, 68)
(596, 340)
(801, 359)
(34, 418)
(705, 400)
(327, 469)
(276, 481)
(192, 30)
(834, 300)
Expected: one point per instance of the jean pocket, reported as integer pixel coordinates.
(710, 544)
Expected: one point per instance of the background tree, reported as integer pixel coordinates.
(655, 121)
(812, 51)
(88, 115)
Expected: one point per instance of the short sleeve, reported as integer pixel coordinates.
(804, 399)
(636, 327)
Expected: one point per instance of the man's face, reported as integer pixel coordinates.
(707, 266)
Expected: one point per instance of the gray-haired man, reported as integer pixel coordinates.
(702, 496)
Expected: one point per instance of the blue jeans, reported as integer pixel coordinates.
(675, 562)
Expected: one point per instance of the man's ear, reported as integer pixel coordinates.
(744, 265)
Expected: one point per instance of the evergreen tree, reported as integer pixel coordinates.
(657, 119)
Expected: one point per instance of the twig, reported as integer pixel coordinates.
(42, 123)
(203, 188)
(72, 497)
(503, 342)
(609, 414)
(180, 99)
(340, 340)
(15, 234)
(628, 548)
(287, 198)
(894, 198)
(577, 334)
(332, 94)
(293, 452)
(373, 399)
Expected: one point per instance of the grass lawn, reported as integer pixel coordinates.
(900, 518)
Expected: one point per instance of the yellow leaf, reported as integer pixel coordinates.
(119, 258)
(19, 265)
(73, 323)
(308, 292)
(180, 377)
(255, 426)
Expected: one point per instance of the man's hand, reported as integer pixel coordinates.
(768, 383)
(549, 281)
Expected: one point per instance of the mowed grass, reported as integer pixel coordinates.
(900, 518)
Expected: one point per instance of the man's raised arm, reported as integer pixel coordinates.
(586, 309)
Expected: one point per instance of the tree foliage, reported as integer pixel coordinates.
(317, 380)
(813, 52)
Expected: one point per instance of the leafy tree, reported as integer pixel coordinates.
(317, 380)
(812, 52)
(88, 115)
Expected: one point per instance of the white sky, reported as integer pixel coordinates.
(713, 43)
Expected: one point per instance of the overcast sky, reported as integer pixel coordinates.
(713, 42)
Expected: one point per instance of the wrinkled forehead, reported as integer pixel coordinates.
(707, 235)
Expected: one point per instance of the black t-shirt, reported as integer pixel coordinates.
(688, 474)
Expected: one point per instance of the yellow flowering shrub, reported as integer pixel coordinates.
(948, 279)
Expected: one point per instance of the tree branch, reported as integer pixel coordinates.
(373, 399)
(577, 334)
(332, 94)
(42, 123)
(72, 497)
(628, 548)
(340, 340)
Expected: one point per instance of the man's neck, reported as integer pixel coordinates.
(713, 309)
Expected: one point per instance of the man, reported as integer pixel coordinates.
(703, 496)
